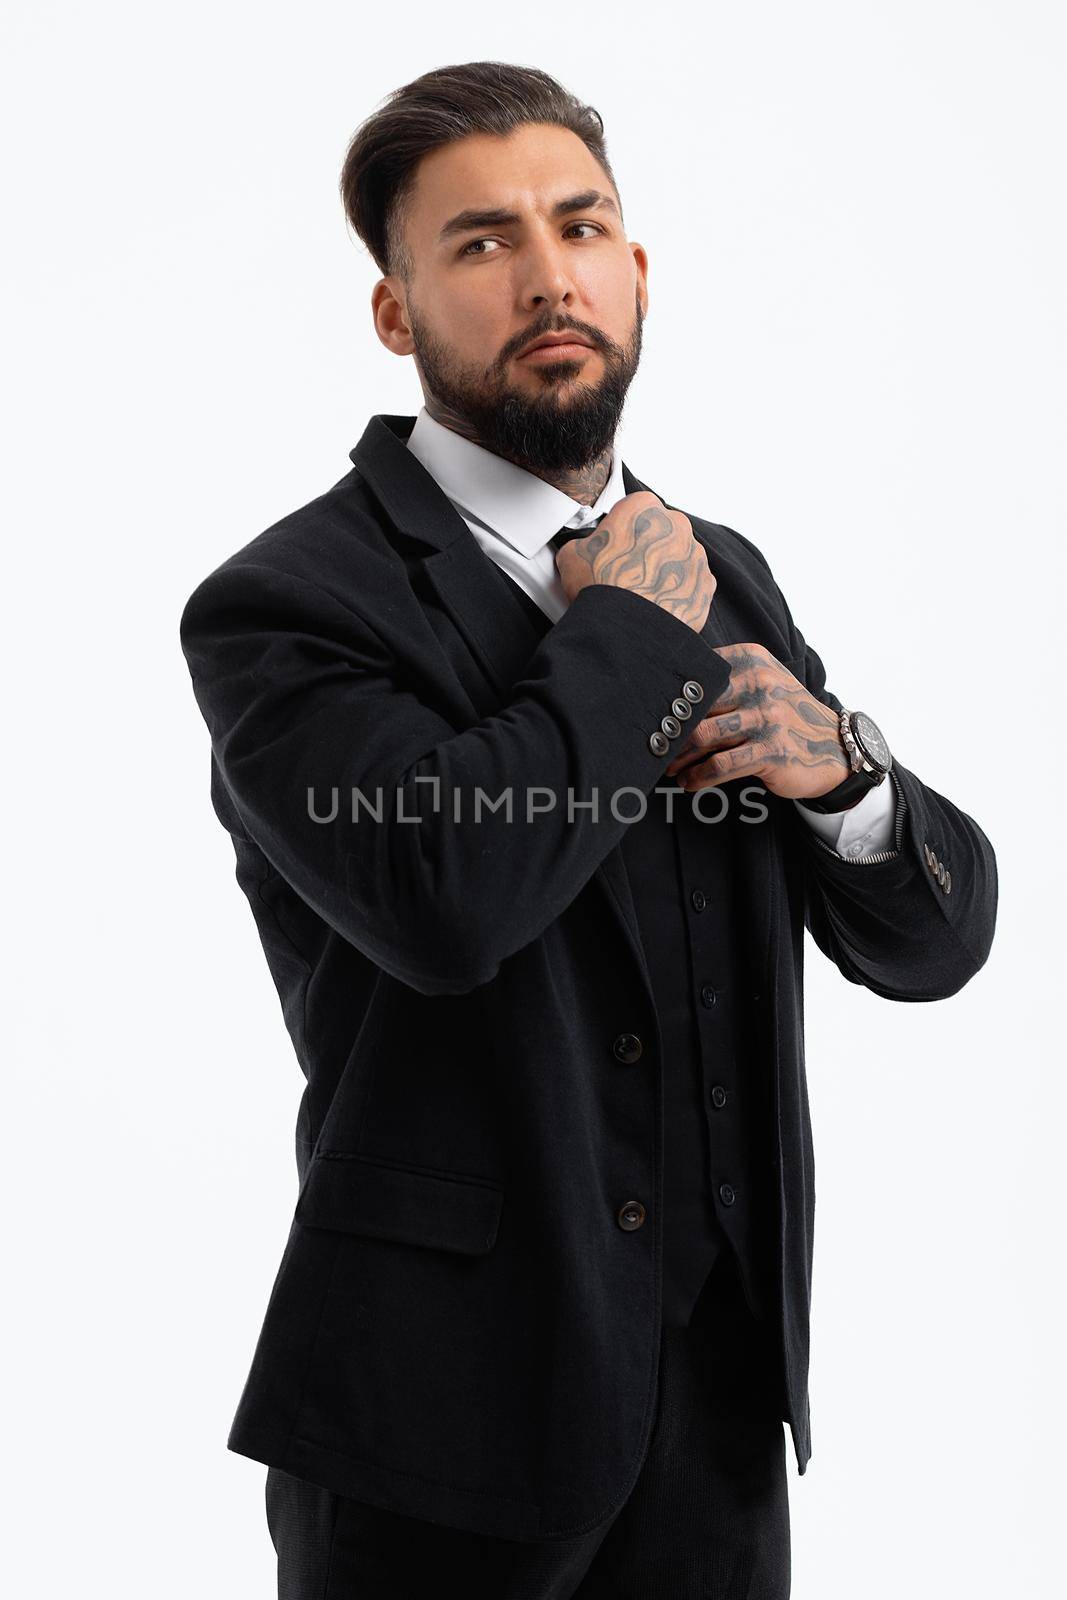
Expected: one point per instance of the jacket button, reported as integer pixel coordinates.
(698, 899)
(682, 709)
(671, 726)
(628, 1047)
(708, 996)
(658, 743)
(693, 690)
(947, 885)
(718, 1096)
(727, 1194)
(631, 1215)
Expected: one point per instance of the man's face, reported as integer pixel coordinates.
(484, 287)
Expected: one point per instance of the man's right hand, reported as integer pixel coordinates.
(642, 546)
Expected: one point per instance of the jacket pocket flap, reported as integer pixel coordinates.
(357, 1195)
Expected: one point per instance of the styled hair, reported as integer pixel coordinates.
(378, 175)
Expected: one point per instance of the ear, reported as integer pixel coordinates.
(641, 264)
(390, 316)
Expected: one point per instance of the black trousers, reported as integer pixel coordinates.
(708, 1518)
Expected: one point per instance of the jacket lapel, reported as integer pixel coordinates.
(496, 631)
(452, 564)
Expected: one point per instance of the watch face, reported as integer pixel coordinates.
(868, 735)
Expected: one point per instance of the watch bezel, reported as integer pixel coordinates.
(872, 761)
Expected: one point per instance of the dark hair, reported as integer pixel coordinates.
(378, 174)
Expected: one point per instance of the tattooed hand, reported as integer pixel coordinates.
(642, 546)
(764, 725)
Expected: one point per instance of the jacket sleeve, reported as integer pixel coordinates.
(915, 926)
(464, 846)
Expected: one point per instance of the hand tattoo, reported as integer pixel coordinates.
(770, 727)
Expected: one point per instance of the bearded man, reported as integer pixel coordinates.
(534, 785)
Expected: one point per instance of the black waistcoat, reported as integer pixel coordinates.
(718, 1168)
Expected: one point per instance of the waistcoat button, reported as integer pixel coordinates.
(628, 1047)
(718, 1096)
(631, 1215)
(727, 1194)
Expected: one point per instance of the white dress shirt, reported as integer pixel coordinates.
(513, 514)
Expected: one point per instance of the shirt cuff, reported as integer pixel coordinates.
(863, 830)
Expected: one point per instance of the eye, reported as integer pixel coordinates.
(467, 247)
(592, 225)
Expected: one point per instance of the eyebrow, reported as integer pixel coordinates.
(463, 221)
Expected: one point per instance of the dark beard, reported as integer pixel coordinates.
(543, 433)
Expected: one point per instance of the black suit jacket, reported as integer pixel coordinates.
(462, 1328)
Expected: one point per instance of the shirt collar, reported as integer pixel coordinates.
(518, 506)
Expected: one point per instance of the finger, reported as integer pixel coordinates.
(739, 761)
(715, 733)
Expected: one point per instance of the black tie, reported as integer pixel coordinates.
(565, 535)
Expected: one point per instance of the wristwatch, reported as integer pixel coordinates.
(869, 756)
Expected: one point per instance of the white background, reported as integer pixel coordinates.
(855, 355)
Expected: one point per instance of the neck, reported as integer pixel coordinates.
(587, 483)
(583, 484)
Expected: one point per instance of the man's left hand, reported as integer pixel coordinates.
(765, 725)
